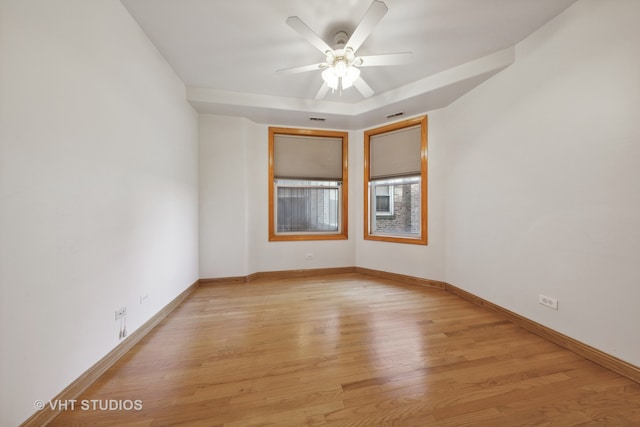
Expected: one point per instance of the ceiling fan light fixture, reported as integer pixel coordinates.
(340, 68)
(340, 75)
(350, 76)
(349, 55)
(353, 73)
(330, 57)
(330, 78)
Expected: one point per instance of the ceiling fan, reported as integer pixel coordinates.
(340, 69)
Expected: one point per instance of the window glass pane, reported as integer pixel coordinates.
(307, 206)
(384, 201)
(399, 198)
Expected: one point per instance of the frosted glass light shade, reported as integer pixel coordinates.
(330, 78)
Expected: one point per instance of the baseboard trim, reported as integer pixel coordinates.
(219, 280)
(73, 390)
(601, 358)
(285, 274)
(279, 274)
(401, 278)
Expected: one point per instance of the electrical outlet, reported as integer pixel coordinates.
(309, 256)
(143, 298)
(548, 301)
(122, 312)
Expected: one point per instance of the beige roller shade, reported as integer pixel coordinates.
(307, 157)
(396, 153)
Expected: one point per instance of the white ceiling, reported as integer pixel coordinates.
(227, 53)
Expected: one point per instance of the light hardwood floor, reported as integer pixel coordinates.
(351, 350)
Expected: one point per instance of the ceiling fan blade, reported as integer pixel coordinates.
(306, 32)
(363, 87)
(381, 60)
(323, 91)
(303, 69)
(372, 16)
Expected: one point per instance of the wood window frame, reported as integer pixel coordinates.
(423, 238)
(343, 233)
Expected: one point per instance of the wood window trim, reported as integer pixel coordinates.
(343, 233)
(423, 239)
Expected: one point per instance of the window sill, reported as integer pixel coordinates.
(396, 239)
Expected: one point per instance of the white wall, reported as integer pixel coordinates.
(543, 184)
(223, 196)
(234, 163)
(426, 262)
(98, 190)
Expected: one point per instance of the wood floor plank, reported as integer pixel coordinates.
(350, 350)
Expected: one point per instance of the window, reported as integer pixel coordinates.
(383, 193)
(307, 184)
(395, 193)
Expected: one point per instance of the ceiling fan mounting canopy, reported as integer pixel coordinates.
(340, 67)
(340, 38)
